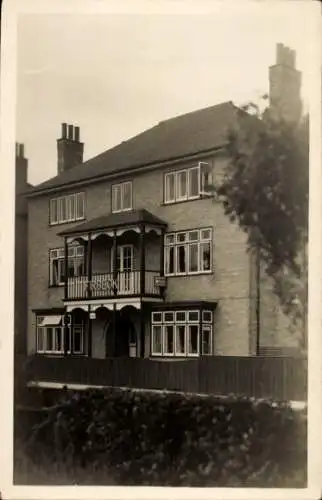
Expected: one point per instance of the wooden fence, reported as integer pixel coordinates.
(280, 378)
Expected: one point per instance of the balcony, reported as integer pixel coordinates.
(105, 285)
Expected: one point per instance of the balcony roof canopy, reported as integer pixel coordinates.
(133, 218)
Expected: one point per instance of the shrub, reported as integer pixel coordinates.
(174, 439)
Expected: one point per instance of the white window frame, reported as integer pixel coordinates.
(61, 327)
(72, 204)
(202, 167)
(59, 254)
(187, 244)
(121, 186)
(175, 323)
(43, 331)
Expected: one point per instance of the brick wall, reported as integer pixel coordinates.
(231, 284)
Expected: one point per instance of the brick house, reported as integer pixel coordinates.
(155, 269)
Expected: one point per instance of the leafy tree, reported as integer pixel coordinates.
(265, 188)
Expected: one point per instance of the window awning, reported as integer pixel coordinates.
(51, 321)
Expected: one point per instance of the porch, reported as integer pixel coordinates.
(114, 256)
(281, 378)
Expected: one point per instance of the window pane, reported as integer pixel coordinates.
(193, 339)
(77, 338)
(80, 250)
(205, 234)
(156, 317)
(181, 237)
(181, 259)
(193, 258)
(206, 339)
(71, 267)
(40, 339)
(168, 339)
(182, 184)
(169, 260)
(193, 316)
(58, 340)
(63, 208)
(168, 317)
(169, 187)
(156, 339)
(71, 207)
(80, 205)
(207, 316)
(193, 182)
(181, 316)
(79, 266)
(205, 256)
(60, 272)
(49, 339)
(127, 195)
(193, 235)
(180, 339)
(53, 211)
(116, 198)
(169, 239)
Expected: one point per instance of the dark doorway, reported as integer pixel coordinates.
(124, 333)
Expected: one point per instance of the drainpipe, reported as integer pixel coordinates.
(258, 300)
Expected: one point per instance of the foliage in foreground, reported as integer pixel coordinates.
(126, 437)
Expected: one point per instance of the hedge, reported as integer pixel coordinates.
(159, 439)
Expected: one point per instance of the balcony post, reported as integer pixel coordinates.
(89, 333)
(162, 253)
(162, 290)
(66, 268)
(115, 291)
(142, 332)
(89, 265)
(142, 259)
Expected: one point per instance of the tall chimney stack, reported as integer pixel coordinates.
(69, 148)
(21, 169)
(285, 85)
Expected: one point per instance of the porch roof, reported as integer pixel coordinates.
(129, 218)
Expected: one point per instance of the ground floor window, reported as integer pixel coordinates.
(51, 335)
(181, 333)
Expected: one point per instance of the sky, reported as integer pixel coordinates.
(115, 75)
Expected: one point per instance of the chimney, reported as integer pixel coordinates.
(69, 148)
(21, 169)
(285, 85)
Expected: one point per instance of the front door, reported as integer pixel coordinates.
(125, 266)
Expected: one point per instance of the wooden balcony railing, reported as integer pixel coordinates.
(105, 285)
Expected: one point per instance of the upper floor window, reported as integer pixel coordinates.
(188, 252)
(67, 208)
(75, 264)
(187, 184)
(122, 197)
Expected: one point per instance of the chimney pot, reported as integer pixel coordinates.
(76, 131)
(70, 132)
(64, 130)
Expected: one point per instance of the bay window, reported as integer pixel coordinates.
(177, 333)
(51, 336)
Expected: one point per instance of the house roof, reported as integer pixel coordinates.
(182, 136)
(115, 220)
